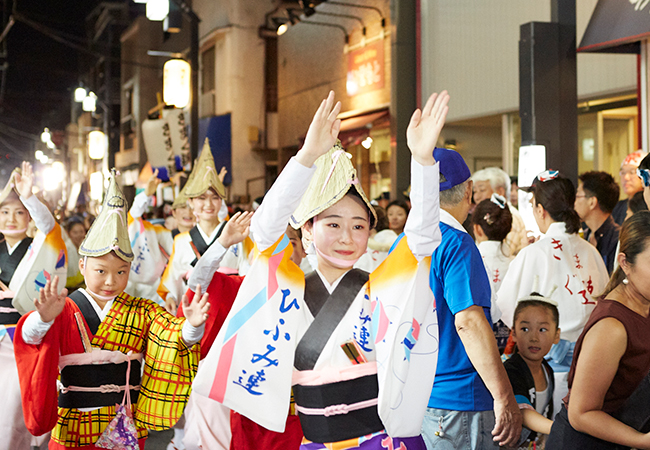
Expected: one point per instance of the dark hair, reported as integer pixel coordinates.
(637, 203)
(382, 219)
(401, 203)
(602, 186)
(495, 222)
(645, 163)
(542, 304)
(72, 221)
(634, 237)
(557, 196)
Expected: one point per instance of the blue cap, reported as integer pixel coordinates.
(452, 166)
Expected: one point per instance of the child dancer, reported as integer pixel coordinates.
(363, 348)
(97, 340)
(534, 331)
(492, 222)
(20, 279)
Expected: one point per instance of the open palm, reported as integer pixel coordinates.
(425, 126)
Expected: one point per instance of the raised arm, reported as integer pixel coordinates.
(272, 217)
(422, 134)
(38, 211)
(140, 201)
(234, 232)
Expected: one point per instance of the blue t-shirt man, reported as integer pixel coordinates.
(458, 280)
(462, 413)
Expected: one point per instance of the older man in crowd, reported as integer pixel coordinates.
(630, 183)
(494, 180)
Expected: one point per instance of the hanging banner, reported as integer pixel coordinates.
(158, 145)
(180, 142)
(366, 69)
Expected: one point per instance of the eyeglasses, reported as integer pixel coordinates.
(644, 174)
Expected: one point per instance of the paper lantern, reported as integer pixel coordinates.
(176, 83)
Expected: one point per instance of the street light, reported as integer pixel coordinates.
(96, 144)
(89, 103)
(157, 10)
(176, 83)
(79, 94)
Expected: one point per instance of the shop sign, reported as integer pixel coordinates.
(366, 69)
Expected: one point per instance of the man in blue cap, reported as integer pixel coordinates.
(472, 405)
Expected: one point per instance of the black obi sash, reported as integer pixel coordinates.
(321, 407)
(8, 265)
(198, 244)
(110, 376)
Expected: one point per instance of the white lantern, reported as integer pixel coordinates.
(39, 154)
(176, 83)
(96, 144)
(157, 10)
(79, 94)
(96, 185)
(89, 103)
(46, 136)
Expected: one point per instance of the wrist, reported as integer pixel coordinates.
(423, 161)
(305, 158)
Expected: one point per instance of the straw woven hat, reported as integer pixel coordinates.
(204, 176)
(109, 231)
(334, 177)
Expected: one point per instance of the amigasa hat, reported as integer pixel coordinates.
(109, 231)
(334, 177)
(204, 176)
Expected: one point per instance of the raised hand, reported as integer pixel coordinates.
(50, 302)
(322, 133)
(196, 312)
(25, 181)
(222, 173)
(152, 184)
(425, 126)
(236, 230)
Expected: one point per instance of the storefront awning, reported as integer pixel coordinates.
(617, 26)
(361, 121)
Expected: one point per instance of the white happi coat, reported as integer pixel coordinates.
(497, 259)
(565, 261)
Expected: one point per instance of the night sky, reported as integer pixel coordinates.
(42, 73)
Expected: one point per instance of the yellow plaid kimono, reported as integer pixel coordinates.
(132, 325)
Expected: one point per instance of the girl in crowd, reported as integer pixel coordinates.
(612, 355)
(21, 257)
(97, 339)
(535, 331)
(397, 212)
(562, 260)
(205, 193)
(492, 222)
(345, 384)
